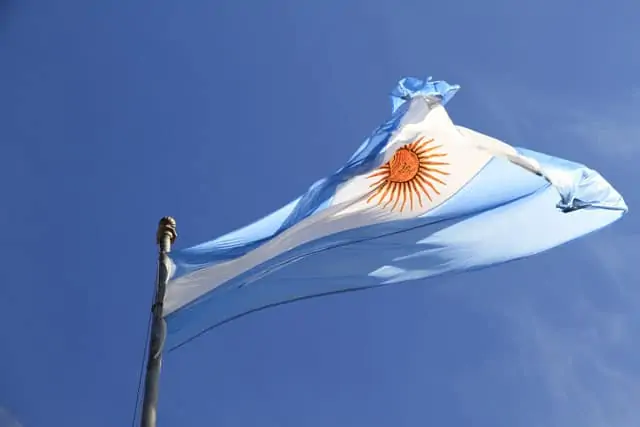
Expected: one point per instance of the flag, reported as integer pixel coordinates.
(421, 197)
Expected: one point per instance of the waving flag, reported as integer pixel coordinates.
(421, 197)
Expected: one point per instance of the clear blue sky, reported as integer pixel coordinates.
(113, 114)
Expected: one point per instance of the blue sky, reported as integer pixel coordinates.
(114, 114)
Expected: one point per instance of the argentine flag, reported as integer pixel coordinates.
(421, 197)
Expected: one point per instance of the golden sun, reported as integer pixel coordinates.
(413, 171)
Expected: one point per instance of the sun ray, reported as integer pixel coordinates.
(378, 182)
(420, 178)
(426, 150)
(410, 193)
(429, 163)
(375, 193)
(383, 192)
(428, 176)
(436, 170)
(416, 191)
(420, 142)
(397, 198)
(431, 156)
(384, 171)
(417, 183)
(391, 190)
(404, 196)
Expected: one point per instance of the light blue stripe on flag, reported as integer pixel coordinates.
(474, 202)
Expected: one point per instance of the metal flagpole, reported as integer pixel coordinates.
(165, 236)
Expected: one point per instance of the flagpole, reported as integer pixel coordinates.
(165, 236)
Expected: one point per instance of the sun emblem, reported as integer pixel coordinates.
(413, 171)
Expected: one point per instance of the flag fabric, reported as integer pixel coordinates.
(421, 197)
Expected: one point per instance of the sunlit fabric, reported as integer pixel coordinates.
(421, 197)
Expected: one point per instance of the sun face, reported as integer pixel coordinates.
(414, 170)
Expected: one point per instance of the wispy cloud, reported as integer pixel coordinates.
(616, 255)
(586, 358)
(607, 127)
(611, 129)
(7, 419)
(581, 369)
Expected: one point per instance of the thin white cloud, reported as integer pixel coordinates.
(7, 419)
(616, 253)
(611, 129)
(587, 357)
(580, 370)
(607, 127)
